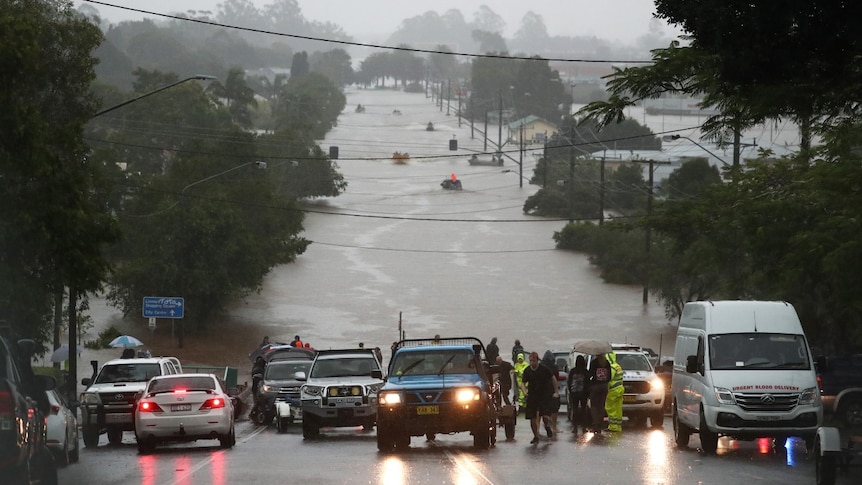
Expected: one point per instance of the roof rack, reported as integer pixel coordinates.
(428, 342)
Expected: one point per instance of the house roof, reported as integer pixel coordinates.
(514, 125)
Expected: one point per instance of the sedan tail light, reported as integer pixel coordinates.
(149, 407)
(214, 403)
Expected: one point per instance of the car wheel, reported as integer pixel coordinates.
(146, 446)
(657, 419)
(681, 432)
(228, 440)
(45, 468)
(74, 454)
(310, 429)
(63, 456)
(385, 439)
(708, 439)
(368, 425)
(115, 436)
(509, 429)
(824, 466)
(91, 436)
(402, 440)
(482, 438)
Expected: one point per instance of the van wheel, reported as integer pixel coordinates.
(657, 419)
(708, 439)
(91, 436)
(681, 432)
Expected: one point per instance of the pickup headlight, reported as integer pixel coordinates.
(808, 396)
(390, 398)
(724, 396)
(467, 395)
(656, 384)
(90, 398)
(312, 390)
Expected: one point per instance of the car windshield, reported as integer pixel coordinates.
(344, 366)
(127, 373)
(758, 351)
(633, 362)
(188, 383)
(284, 371)
(434, 362)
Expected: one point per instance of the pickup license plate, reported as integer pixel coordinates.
(629, 398)
(180, 407)
(768, 418)
(424, 410)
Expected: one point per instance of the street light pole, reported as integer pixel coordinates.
(199, 77)
(73, 292)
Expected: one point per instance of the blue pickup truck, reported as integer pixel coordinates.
(438, 386)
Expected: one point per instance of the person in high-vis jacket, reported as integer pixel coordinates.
(519, 367)
(614, 401)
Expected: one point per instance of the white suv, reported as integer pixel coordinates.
(108, 403)
(341, 390)
(644, 390)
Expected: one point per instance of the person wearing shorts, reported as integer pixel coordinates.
(540, 386)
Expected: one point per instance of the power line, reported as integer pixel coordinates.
(361, 44)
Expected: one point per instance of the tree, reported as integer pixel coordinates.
(310, 105)
(334, 64)
(299, 67)
(54, 223)
(691, 179)
(239, 97)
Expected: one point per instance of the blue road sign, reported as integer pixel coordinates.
(163, 307)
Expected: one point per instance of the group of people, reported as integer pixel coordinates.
(593, 392)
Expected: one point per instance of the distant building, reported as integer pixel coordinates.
(535, 130)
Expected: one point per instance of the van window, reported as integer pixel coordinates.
(758, 351)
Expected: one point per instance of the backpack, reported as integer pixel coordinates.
(577, 384)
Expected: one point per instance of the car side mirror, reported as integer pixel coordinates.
(86, 382)
(299, 376)
(377, 374)
(46, 383)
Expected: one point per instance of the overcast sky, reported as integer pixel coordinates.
(614, 20)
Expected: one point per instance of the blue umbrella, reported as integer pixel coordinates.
(62, 353)
(125, 342)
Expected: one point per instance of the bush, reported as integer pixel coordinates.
(104, 338)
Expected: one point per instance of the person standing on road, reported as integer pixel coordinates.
(549, 361)
(506, 370)
(492, 351)
(578, 394)
(517, 349)
(519, 367)
(540, 386)
(600, 376)
(614, 401)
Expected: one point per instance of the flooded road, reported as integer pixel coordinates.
(463, 262)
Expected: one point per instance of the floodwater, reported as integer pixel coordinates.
(397, 247)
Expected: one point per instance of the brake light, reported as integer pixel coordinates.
(214, 403)
(180, 391)
(149, 407)
(820, 383)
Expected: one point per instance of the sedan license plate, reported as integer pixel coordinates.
(425, 410)
(180, 407)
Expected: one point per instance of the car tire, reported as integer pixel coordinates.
(482, 437)
(74, 453)
(63, 457)
(385, 439)
(708, 439)
(91, 436)
(402, 440)
(228, 440)
(115, 436)
(146, 446)
(681, 432)
(310, 428)
(656, 420)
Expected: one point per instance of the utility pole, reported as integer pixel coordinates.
(448, 95)
(521, 157)
(572, 173)
(648, 235)
(602, 190)
(500, 125)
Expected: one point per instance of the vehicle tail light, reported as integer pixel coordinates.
(149, 407)
(214, 403)
(820, 383)
(55, 409)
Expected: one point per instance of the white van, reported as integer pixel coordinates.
(743, 369)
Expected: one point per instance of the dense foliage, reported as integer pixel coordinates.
(54, 225)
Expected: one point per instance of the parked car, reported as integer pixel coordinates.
(561, 358)
(108, 403)
(24, 454)
(184, 408)
(62, 429)
(840, 381)
(282, 382)
(341, 390)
